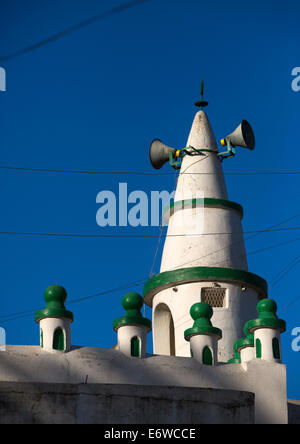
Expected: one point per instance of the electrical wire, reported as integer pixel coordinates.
(29, 312)
(290, 304)
(143, 173)
(238, 242)
(136, 236)
(161, 227)
(250, 253)
(281, 275)
(26, 313)
(261, 250)
(285, 271)
(71, 29)
(197, 161)
(62, 34)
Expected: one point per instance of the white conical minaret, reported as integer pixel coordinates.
(202, 176)
(204, 258)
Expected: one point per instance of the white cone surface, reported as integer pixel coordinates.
(209, 178)
(202, 248)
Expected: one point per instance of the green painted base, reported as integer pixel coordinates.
(181, 276)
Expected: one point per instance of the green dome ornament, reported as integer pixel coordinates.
(132, 304)
(236, 359)
(55, 297)
(201, 313)
(267, 317)
(248, 341)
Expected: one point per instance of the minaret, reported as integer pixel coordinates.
(204, 258)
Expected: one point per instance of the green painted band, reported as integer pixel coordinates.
(208, 330)
(276, 323)
(234, 361)
(53, 313)
(243, 343)
(132, 320)
(172, 278)
(204, 202)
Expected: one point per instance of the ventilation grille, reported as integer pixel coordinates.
(213, 296)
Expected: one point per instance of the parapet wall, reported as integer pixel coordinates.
(267, 380)
(43, 403)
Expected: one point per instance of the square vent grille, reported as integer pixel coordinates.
(213, 296)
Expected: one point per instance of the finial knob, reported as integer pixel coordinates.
(267, 317)
(55, 293)
(55, 297)
(132, 301)
(201, 103)
(268, 307)
(201, 314)
(132, 304)
(201, 310)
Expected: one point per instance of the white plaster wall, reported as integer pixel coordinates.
(197, 344)
(247, 353)
(213, 184)
(126, 333)
(240, 308)
(163, 330)
(266, 336)
(218, 250)
(49, 325)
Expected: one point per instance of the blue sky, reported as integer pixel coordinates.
(94, 100)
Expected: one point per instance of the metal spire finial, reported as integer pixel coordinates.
(202, 103)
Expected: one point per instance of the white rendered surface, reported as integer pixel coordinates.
(204, 250)
(266, 335)
(199, 342)
(247, 353)
(240, 307)
(126, 333)
(48, 326)
(267, 380)
(213, 184)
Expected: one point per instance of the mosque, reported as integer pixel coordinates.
(216, 336)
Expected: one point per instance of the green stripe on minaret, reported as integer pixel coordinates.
(172, 278)
(204, 202)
